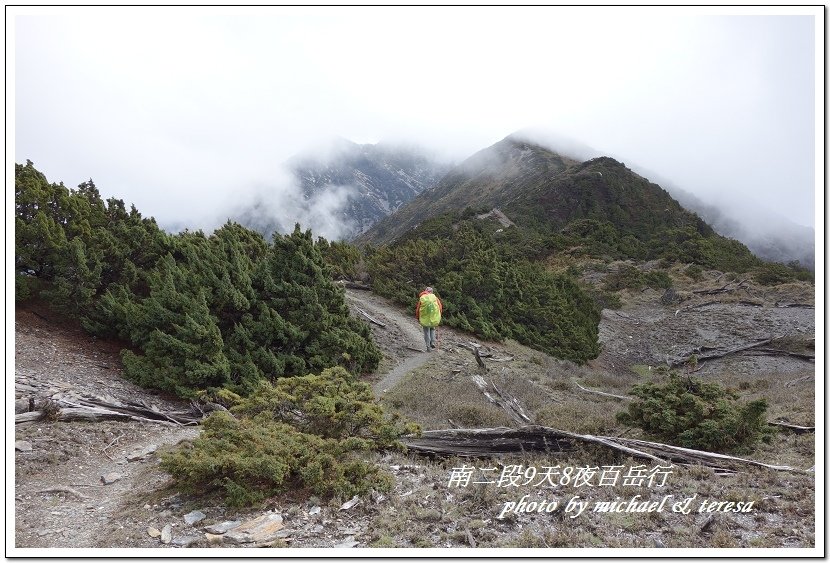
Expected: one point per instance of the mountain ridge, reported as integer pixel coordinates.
(543, 188)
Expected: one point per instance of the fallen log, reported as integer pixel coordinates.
(719, 354)
(483, 442)
(91, 414)
(66, 490)
(110, 408)
(29, 416)
(502, 399)
(688, 456)
(794, 427)
(355, 285)
(95, 409)
(601, 393)
(486, 442)
(369, 318)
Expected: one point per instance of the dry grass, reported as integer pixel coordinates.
(434, 399)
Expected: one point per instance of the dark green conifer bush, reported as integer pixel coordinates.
(301, 432)
(199, 312)
(688, 412)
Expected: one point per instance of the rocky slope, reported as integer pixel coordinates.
(357, 185)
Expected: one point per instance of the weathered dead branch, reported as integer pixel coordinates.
(369, 318)
(29, 416)
(485, 442)
(502, 399)
(719, 353)
(479, 361)
(601, 393)
(794, 427)
(724, 289)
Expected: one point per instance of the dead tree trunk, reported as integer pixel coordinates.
(485, 442)
(370, 319)
(794, 428)
(94, 409)
(601, 393)
(719, 354)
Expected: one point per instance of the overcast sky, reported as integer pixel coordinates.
(182, 111)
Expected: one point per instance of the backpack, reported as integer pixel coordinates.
(429, 313)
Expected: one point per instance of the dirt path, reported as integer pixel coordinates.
(401, 340)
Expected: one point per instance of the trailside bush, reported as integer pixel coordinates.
(688, 412)
(301, 432)
(248, 460)
(333, 405)
(773, 274)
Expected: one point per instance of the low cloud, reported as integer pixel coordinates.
(279, 205)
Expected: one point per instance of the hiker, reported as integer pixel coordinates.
(428, 312)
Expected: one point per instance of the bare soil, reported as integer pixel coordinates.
(61, 501)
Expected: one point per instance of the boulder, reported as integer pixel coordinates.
(23, 446)
(259, 530)
(167, 534)
(111, 477)
(223, 527)
(193, 517)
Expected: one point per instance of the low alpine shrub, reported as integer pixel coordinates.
(307, 432)
(691, 413)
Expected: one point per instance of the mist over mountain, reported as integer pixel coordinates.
(341, 188)
(768, 235)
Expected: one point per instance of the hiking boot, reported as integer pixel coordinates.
(432, 345)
